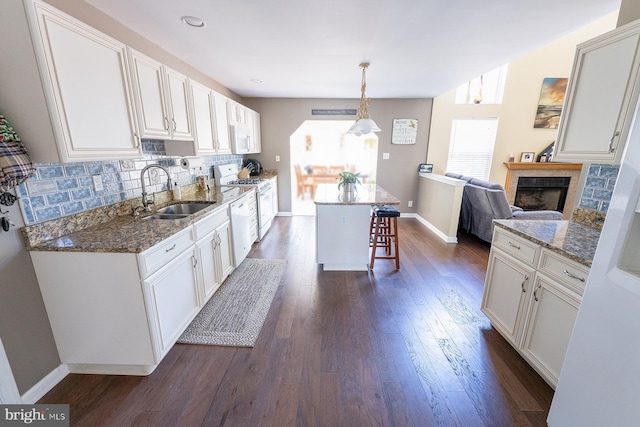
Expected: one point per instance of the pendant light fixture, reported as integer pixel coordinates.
(363, 124)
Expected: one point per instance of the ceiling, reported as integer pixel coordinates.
(312, 49)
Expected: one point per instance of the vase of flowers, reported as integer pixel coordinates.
(347, 183)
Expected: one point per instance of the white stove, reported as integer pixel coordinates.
(227, 176)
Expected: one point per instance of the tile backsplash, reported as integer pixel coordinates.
(62, 189)
(598, 187)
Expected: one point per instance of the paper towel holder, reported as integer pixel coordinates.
(191, 163)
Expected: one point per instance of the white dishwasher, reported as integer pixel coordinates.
(240, 224)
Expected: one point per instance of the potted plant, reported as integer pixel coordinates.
(347, 182)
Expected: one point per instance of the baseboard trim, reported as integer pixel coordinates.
(434, 229)
(45, 385)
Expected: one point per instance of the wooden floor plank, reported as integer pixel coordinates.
(384, 348)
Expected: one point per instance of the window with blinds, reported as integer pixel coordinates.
(471, 146)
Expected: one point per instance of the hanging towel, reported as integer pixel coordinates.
(15, 163)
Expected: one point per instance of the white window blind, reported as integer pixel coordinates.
(471, 146)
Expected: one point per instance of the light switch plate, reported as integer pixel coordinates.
(385, 156)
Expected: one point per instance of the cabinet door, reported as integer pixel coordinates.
(600, 98)
(253, 121)
(223, 236)
(506, 291)
(550, 319)
(223, 145)
(209, 266)
(148, 80)
(177, 90)
(172, 296)
(88, 74)
(203, 114)
(236, 113)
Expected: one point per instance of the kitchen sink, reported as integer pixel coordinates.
(166, 216)
(184, 208)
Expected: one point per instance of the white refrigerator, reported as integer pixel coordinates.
(599, 383)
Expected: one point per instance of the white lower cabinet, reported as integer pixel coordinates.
(215, 254)
(120, 313)
(550, 318)
(253, 218)
(506, 297)
(172, 300)
(532, 296)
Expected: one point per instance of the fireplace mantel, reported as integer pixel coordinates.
(543, 166)
(517, 169)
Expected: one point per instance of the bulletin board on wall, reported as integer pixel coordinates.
(405, 131)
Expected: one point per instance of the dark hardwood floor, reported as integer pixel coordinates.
(387, 348)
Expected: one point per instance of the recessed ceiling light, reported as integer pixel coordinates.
(193, 21)
(256, 81)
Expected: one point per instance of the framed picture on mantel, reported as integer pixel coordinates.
(527, 157)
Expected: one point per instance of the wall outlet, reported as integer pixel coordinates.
(154, 176)
(277, 158)
(385, 156)
(97, 183)
(127, 165)
(410, 204)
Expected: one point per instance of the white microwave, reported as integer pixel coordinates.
(240, 139)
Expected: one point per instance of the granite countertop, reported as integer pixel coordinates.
(368, 194)
(124, 233)
(569, 238)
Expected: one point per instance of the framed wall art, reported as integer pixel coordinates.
(550, 102)
(405, 131)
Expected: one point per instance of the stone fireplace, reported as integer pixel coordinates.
(550, 186)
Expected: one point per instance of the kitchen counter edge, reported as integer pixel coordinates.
(571, 239)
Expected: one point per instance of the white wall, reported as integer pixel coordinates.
(517, 112)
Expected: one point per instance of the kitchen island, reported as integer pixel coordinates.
(342, 228)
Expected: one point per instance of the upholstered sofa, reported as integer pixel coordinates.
(484, 201)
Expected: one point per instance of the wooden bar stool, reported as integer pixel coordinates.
(383, 230)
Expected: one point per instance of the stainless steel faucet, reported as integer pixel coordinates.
(146, 202)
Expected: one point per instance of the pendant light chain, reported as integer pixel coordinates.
(363, 109)
(364, 124)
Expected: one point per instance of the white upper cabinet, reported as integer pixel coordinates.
(203, 117)
(210, 129)
(601, 98)
(178, 105)
(222, 124)
(236, 113)
(68, 93)
(253, 121)
(162, 102)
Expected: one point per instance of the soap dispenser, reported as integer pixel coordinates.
(177, 192)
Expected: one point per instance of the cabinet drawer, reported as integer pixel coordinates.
(516, 246)
(210, 222)
(158, 255)
(564, 270)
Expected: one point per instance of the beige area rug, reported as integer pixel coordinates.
(235, 313)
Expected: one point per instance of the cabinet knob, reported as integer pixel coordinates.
(524, 290)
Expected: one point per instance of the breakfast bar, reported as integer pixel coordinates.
(342, 227)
